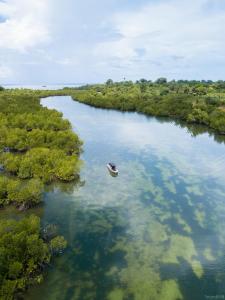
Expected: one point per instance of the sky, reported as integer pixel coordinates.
(88, 41)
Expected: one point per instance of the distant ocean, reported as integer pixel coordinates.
(42, 86)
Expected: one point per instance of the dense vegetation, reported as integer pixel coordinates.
(201, 102)
(36, 146)
(24, 254)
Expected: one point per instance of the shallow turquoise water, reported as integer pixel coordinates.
(157, 231)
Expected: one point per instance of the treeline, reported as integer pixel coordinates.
(24, 254)
(201, 102)
(36, 146)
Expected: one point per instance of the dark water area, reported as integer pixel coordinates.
(157, 231)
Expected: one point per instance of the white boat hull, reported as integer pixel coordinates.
(114, 172)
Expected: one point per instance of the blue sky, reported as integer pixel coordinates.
(52, 41)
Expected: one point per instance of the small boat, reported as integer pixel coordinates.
(112, 168)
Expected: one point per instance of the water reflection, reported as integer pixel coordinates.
(154, 232)
(68, 187)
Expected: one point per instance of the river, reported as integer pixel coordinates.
(157, 231)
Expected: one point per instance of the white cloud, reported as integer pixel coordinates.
(55, 40)
(174, 33)
(67, 61)
(26, 24)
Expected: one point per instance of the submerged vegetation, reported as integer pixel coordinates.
(201, 102)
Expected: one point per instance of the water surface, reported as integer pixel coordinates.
(157, 231)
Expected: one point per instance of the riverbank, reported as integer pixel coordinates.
(37, 147)
(191, 101)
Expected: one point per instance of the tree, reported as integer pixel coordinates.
(217, 120)
(27, 193)
(109, 82)
(143, 80)
(58, 244)
(161, 80)
(143, 87)
(198, 116)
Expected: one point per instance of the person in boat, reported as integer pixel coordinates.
(113, 166)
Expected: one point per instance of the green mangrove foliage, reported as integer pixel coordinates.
(201, 102)
(23, 255)
(23, 193)
(36, 146)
